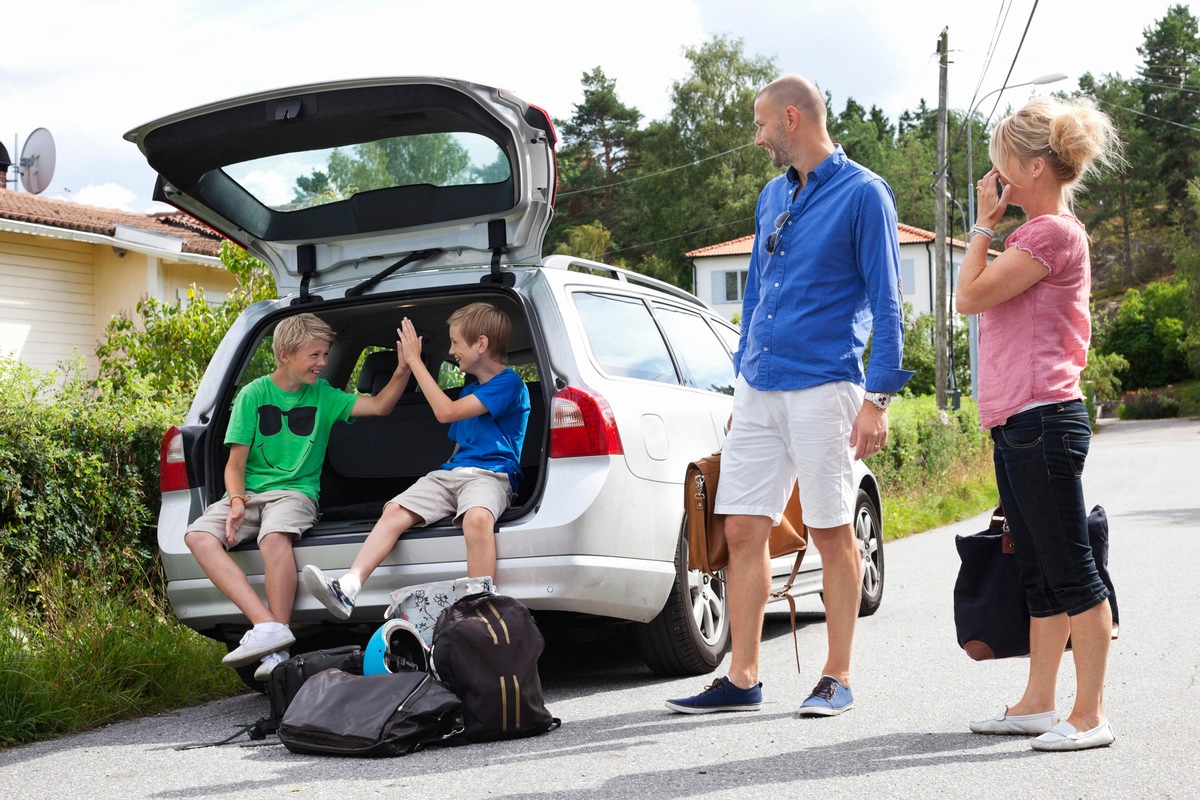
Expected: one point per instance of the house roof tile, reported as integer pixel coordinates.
(744, 244)
(197, 237)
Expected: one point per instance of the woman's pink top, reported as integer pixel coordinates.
(1032, 347)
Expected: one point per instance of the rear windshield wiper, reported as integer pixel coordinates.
(372, 282)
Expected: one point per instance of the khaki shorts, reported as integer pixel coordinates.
(445, 492)
(781, 437)
(276, 511)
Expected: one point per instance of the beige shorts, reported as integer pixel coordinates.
(445, 492)
(276, 511)
(781, 437)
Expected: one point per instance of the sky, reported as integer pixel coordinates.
(90, 70)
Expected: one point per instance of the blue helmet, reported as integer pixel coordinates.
(395, 647)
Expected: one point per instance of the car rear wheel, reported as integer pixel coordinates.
(691, 633)
(868, 531)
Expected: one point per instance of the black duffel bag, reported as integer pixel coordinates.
(991, 617)
(336, 713)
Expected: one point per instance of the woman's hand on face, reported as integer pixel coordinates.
(992, 193)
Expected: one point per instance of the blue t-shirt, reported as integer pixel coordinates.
(493, 440)
(833, 279)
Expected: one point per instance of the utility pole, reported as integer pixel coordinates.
(940, 338)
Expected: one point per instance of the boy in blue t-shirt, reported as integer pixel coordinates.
(487, 425)
(277, 437)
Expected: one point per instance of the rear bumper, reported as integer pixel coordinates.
(619, 588)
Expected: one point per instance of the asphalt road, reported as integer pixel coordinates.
(907, 737)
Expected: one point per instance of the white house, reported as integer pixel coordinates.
(66, 269)
(719, 270)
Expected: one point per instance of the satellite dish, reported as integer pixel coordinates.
(5, 163)
(37, 161)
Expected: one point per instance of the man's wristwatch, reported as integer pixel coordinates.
(880, 400)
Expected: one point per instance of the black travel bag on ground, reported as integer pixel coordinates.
(287, 678)
(486, 649)
(991, 618)
(285, 681)
(336, 713)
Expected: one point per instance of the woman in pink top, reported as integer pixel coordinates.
(1034, 330)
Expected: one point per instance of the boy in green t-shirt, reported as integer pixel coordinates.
(277, 437)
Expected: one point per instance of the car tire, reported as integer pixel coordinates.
(691, 634)
(868, 531)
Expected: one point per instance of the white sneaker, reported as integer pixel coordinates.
(328, 591)
(269, 663)
(257, 643)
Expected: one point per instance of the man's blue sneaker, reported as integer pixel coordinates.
(828, 699)
(720, 695)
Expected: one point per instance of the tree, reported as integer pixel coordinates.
(170, 345)
(1122, 195)
(600, 145)
(589, 241)
(1171, 100)
(1149, 333)
(701, 175)
(866, 140)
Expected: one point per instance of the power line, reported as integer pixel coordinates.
(655, 174)
(1149, 116)
(690, 233)
(963, 126)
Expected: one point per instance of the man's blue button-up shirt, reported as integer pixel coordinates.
(809, 307)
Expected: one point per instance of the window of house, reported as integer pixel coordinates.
(908, 276)
(728, 286)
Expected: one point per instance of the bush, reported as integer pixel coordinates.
(1147, 404)
(924, 442)
(78, 475)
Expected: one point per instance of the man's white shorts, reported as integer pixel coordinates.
(781, 437)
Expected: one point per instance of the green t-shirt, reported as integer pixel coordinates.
(287, 433)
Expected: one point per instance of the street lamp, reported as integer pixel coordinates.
(972, 319)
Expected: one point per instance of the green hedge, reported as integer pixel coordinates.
(78, 476)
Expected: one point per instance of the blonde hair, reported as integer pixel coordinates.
(295, 332)
(1074, 136)
(484, 319)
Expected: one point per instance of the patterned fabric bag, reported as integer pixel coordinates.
(422, 604)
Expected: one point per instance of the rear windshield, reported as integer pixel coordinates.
(293, 181)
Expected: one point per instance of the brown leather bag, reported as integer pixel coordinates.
(707, 548)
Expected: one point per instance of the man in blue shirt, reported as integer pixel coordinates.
(824, 274)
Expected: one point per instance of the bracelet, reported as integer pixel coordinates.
(241, 497)
(986, 231)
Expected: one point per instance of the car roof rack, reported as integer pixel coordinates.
(571, 263)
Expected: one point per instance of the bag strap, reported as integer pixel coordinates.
(1000, 521)
(255, 730)
(786, 594)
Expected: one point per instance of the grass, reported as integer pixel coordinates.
(965, 489)
(97, 653)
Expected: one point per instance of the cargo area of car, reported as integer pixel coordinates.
(372, 459)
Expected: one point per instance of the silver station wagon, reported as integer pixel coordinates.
(374, 200)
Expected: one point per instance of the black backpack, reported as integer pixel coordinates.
(486, 649)
(336, 713)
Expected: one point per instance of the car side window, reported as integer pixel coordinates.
(623, 337)
(706, 362)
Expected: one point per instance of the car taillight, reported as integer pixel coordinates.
(582, 424)
(172, 471)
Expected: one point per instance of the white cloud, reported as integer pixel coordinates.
(104, 195)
